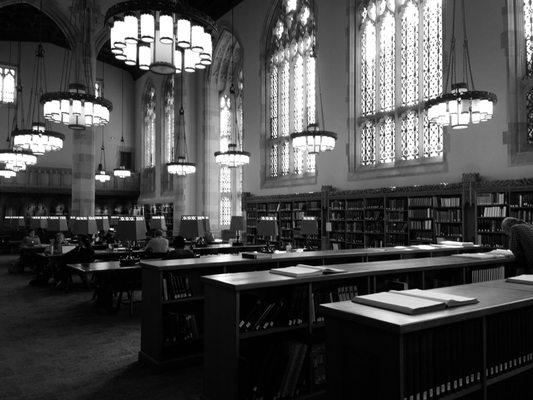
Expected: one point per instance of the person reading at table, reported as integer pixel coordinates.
(82, 253)
(520, 241)
(157, 244)
(179, 250)
(31, 239)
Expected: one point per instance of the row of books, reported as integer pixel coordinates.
(397, 204)
(448, 230)
(490, 198)
(421, 224)
(374, 227)
(282, 372)
(421, 236)
(443, 361)
(176, 286)
(488, 274)
(449, 202)
(493, 211)
(489, 226)
(448, 215)
(420, 201)
(494, 241)
(355, 204)
(180, 328)
(355, 214)
(342, 293)
(522, 200)
(374, 215)
(374, 203)
(421, 213)
(526, 215)
(509, 344)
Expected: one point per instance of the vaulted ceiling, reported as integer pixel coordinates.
(21, 21)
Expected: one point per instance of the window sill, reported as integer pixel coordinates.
(289, 180)
(399, 168)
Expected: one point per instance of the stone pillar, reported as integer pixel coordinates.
(83, 152)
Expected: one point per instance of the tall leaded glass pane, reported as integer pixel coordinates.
(284, 90)
(311, 163)
(285, 158)
(225, 122)
(311, 90)
(368, 67)
(298, 162)
(7, 85)
(274, 102)
(225, 180)
(368, 143)
(409, 128)
(225, 211)
(169, 121)
(274, 161)
(529, 106)
(528, 35)
(433, 146)
(409, 54)
(432, 49)
(387, 61)
(149, 127)
(299, 104)
(386, 140)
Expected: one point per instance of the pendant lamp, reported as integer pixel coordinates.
(101, 174)
(233, 156)
(165, 37)
(314, 140)
(181, 165)
(462, 104)
(122, 172)
(75, 104)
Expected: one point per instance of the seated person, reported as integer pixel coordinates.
(209, 238)
(179, 250)
(82, 253)
(157, 244)
(520, 241)
(31, 239)
(110, 237)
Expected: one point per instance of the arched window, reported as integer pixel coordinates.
(7, 84)
(528, 46)
(291, 88)
(149, 115)
(168, 110)
(399, 69)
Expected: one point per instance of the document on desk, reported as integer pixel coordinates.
(400, 303)
(523, 279)
(449, 299)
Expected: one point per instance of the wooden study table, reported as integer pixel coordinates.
(110, 278)
(380, 354)
(227, 295)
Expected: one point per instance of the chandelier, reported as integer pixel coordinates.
(38, 139)
(6, 172)
(14, 159)
(76, 105)
(181, 166)
(315, 140)
(122, 172)
(101, 175)
(460, 106)
(233, 156)
(165, 37)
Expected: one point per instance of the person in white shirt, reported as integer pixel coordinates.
(157, 244)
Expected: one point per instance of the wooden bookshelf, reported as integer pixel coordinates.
(241, 336)
(166, 210)
(491, 209)
(481, 351)
(160, 345)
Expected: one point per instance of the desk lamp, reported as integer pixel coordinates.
(268, 228)
(236, 226)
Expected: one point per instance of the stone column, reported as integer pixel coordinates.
(83, 153)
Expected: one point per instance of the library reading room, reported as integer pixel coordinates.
(266, 199)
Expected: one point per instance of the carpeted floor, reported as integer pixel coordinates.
(56, 345)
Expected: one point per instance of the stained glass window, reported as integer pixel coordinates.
(225, 175)
(168, 147)
(528, 35)
(149, 115)
(7, 84)
(400, 53)
(529, 105)
(291, 86)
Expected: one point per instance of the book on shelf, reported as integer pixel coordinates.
(176, 286)
(180, 327)
(302, 270)
(399, 303)
(449, 299)
(523, 279)
(333, 295)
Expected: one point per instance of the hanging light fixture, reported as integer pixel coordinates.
(122, 172)
(159, 35)
(315, 140)
(234, 156)
(6, 172)
(181, 166)
(39, 139)
(14, 159)
(101, 174)
(460, 106)
(75, 104)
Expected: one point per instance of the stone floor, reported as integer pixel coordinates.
(56, 345)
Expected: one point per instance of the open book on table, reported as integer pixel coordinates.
(302, 270)
(524, 279)
(450, 300)
(400, 303)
